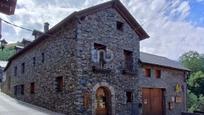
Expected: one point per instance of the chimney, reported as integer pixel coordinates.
(46, 26)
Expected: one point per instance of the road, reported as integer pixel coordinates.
(10, 106)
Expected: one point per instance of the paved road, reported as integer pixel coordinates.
(10, 106)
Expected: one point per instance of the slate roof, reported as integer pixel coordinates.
(147, 58)
(3, 64)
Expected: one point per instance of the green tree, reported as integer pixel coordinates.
(196, 83)
(193, 60)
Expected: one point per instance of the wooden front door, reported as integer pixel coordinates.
(103, 101)
(152, 101)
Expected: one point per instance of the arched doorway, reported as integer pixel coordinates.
(103, 101)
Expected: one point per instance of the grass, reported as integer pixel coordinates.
(7, 52)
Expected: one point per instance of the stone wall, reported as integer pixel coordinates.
(59, 52)
(100, 28)
(1, 74)
(169, 79)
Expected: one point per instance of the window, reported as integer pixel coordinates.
(43, 57)
(128, 60)
(22, 67)
(129, 96)
(22, 89)
(119, 26)
(34, 61)
(158, 73)
(15, 71)
(19, 90)
(101, 49)
(147, 72)
(15, 90)
(59, 84)
(32, 88)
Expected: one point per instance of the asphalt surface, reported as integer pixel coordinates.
(10, 106)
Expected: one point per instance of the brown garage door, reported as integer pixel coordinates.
(152, 101)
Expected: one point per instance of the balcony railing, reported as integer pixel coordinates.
(128, 68)
(98, 68)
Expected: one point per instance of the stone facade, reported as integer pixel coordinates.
(168, 81)
(2, 66)
(1, 74)
(68, 54)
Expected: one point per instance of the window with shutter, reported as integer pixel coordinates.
(59, 84)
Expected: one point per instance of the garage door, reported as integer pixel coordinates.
(152, 101)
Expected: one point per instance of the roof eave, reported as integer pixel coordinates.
(187, 70)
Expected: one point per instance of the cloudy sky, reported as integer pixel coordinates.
(174, 26)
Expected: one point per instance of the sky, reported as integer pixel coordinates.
(174, 26)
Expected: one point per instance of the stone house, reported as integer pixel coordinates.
(90, 64)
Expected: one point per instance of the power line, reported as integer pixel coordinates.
(24, 28)
(16, 25)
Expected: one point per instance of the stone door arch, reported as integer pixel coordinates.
(103, 97)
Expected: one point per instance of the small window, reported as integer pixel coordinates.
(34, 61)
(120, 26)
(129, 96)
(32, 88)
(15, 90)
(147, 72)
(43, 57)
(59, 84)
(128, 60)
(158, 73)
(15, 71)
(23, 68)
(22, 89)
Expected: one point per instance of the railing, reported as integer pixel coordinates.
(98, 68)
(128, 68)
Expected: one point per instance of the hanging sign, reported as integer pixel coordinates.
(8, 6)
(178, 88)
(178, 99)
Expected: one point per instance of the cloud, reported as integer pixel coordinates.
(164, 20)
(200, 0)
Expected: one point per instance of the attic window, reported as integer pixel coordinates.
(119, 25)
